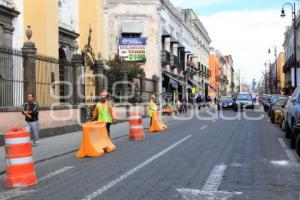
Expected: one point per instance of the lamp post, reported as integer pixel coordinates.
(293, 6)
(275, 63)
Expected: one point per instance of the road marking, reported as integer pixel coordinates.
(57, 172)
(210, 188)
(9, 194)
(290, 154)
(133, 170)
(203, 127)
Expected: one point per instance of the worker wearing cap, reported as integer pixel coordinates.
(104, 111)
(152, 107)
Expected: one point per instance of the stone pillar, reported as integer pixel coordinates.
(143, 88)
(125, 86)
(156, 80)
(99, 68)
(78, 90)
(29, 61)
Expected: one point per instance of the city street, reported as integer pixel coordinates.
(193, 160)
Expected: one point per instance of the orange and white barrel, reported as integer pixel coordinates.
(20, 170)
(136, 129)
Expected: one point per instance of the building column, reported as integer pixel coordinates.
(29, 66)
(156, 80)
(78, 91)
(125, 86)
(99, 77)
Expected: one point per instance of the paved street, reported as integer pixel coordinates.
(193, 159)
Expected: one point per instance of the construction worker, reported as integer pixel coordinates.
(104, 111)
(152, 107)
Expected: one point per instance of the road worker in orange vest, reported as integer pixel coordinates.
(152, 107)
(104, 111)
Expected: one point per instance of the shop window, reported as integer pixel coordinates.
(131, 35)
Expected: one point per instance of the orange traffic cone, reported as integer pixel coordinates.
(157, 124)
(135, 127)
(95, 140)
(20, 170)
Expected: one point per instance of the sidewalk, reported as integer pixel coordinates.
(55, 146)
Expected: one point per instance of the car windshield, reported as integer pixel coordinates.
(282, 101)
(225, 98)
(244, 97)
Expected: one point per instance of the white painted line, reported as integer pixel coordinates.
(133, 170)
(210, 189)
(282, 143)
(203, 127)
(214, 180)
(290, 154)
(57, 172)
(14, 193)
(9, 194)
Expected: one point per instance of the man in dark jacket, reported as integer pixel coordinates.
(31, 113)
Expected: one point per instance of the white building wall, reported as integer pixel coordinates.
(69, 14)
(148, 13)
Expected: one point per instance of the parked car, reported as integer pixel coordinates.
(225, 102)
(283, 119)
(273, 101)
(276, 108)
(293, 120)
(266, 101)
(276, 103)
(243, 101)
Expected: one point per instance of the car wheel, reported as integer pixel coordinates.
(298, 145)
(288, 131)
(273, 118)
(282, 124)
(293, 139)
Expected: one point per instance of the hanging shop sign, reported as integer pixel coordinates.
(133, 49)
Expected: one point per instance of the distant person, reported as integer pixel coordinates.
(152, 107)
(31, 112)
(104, 111)
(184, 106)
(177, 107)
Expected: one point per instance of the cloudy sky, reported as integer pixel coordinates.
(244, 29)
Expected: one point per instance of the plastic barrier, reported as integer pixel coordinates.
(20, 170)
(168, 111)
(95, 140)
(157, 123)
(135, 127)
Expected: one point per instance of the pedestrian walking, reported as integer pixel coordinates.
(152, 107)
(177, 107)
(104, 111)
(31, 112)
(184, 106)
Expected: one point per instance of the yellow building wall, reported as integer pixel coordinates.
(42, 16)
(280, 74)
(91, 15)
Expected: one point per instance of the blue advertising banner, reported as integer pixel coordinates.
(133, 41)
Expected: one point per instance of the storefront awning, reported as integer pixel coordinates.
(211, 86)
(194, 83)
(172, 78)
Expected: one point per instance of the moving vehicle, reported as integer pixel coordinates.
(225, 102)
(243, 101)
(266, 101)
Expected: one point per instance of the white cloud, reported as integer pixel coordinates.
(197, 3)
(247, 36)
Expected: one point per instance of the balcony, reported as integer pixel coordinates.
(165, 58)
(174, 61)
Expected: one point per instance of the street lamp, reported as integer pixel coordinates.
(275, 63)
(293, 6)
